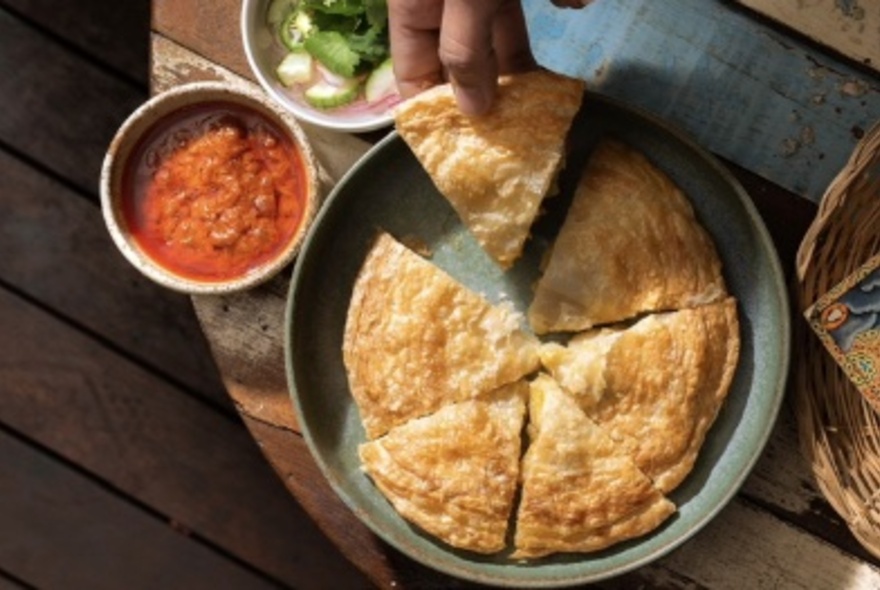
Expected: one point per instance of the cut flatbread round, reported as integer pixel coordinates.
(416, 339)
(454, 473)
(497, 168)
(581, 491)
(630, 244)
(655, 387)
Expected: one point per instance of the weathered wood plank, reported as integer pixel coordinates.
(42, 90)
(783, 484)
(61, 530)
(197, 26)
(113, 33)
(146, 439)
(292, 461)
(744, 547)
(851, 27)
(246, 337)
(759, 98)
(57, 250)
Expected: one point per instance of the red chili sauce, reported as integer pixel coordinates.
(214, 191)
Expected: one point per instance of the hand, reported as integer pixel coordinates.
(468, 42)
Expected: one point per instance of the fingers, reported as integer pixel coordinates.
(468, 41)
(467, 52)
(478, 41)
(414, 33)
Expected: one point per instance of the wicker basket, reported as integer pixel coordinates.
(839, 431)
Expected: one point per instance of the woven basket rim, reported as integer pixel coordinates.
(839, 430)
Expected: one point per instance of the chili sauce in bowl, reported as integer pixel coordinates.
(208, 189)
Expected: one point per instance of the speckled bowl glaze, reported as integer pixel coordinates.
(140, 122)
(263, 54)
(388, 189)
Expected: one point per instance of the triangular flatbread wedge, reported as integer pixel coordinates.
(454, 473)
(581, 491)
(657, 386)
(630, 244)
(497, 168)
(416, 339)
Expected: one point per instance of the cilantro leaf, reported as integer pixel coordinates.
(336, 22)
(376, 12)
(372, 46)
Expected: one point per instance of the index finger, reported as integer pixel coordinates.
(467, 51)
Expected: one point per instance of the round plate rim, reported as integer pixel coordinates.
(771, 408)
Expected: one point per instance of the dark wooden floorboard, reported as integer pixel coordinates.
(58, 251)
(62, 531)
(59, 109)
(146, 439)
(110, 32)
(122, 462)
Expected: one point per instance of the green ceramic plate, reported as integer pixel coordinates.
(388, 189)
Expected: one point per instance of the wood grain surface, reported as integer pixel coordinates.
(123, 463)
(759, 541)
(850, 27)
(136, 551)
(147, 440)
(749, 92)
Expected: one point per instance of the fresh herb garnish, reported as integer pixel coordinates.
(348, 38)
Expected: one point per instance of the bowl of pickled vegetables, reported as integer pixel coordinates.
(327, 61)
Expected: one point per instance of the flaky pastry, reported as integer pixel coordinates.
(581, 491)
(656, 387)
(438, 372)
(630, 244)
(416, 339)
(495, 169)
(454, 473)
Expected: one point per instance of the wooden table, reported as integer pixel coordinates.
(777, 533)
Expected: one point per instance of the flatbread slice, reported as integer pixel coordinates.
(655, 387)
(495, 169)
(454, 473)
(581, 491)
(416, 339)
(630, 244)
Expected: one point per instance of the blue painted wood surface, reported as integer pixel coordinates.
(741, 88)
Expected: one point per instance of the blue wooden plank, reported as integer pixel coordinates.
(742, 89)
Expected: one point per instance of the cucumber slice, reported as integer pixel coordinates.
(332, 49)
(381, 82)
(328, 96)
(295, 68)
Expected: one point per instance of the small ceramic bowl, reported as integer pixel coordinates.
(265, 51)
(222, 237)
